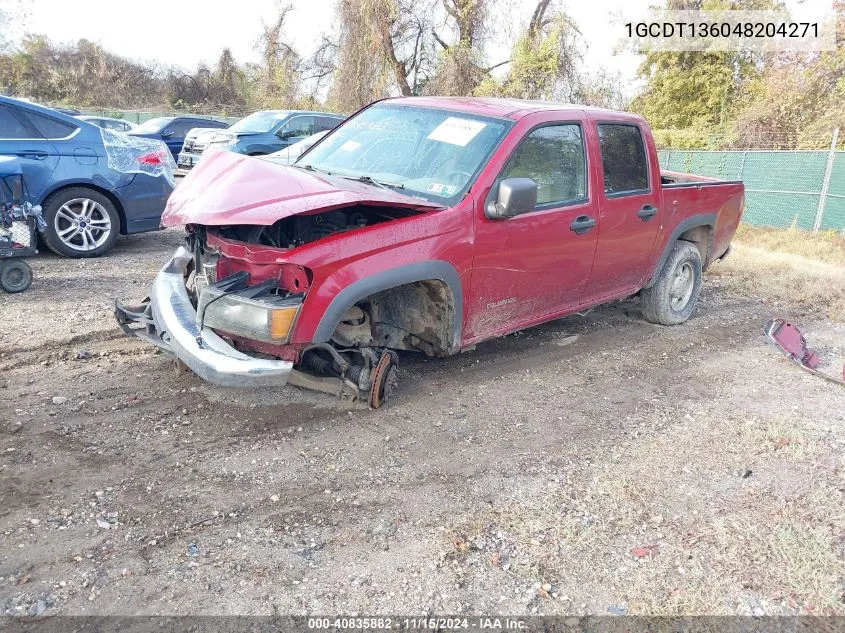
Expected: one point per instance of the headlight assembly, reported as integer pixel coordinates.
(268, 318)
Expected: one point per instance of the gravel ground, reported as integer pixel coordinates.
(595, 464)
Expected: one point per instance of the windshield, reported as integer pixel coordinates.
(434, 153)
(259, 122)
(152, 126)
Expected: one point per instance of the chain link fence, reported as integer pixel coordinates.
(783, 188)
(139, 116)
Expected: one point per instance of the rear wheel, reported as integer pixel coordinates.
(15, 275)
(672, 297)
(81, 222)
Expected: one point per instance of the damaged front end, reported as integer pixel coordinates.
(262, 239)
(233, 328)
(169, 319)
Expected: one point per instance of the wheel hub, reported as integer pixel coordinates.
(384, 380)
(82, 224)
(682, 287)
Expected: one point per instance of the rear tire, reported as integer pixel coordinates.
(15, 275)
(81, 222)
(672, 297)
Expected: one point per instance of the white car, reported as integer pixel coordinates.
(196, 141)
(107, 123)
(289, 154)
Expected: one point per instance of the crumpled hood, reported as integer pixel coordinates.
(229, 188)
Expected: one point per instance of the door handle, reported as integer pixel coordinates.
(582, 224)
(647, 212)
(37, 154)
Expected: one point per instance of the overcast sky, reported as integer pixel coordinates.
(185, 32)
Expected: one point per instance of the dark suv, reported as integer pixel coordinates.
(173, 129)
(260, 133)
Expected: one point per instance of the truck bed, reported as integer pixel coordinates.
(671, 179)
(721, 201)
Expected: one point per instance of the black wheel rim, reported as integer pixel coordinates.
(16, 277)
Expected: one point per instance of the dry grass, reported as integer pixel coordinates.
(730, 511)
(721, 544)
(788, 266)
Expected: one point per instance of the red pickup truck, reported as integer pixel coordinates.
(426, 224)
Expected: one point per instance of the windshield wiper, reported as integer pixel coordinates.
(311, 168)
(383, 184)
(378, 183)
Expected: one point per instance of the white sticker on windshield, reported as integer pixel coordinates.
(442, 190)
(350, 146)
(456, 131)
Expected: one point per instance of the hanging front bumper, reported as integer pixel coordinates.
(168, 319)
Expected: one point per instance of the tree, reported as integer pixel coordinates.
(281, 66)
(321, 66)
(697, 89)
(544, 61)
(82, 73)
(362, 73)
(461, 69)
(228, 81)
(800, 98)
(384, 46)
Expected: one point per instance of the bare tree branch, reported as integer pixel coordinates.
(537, 22)
(439, 41)
(399, 71)
(494, 66)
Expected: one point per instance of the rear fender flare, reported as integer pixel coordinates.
(701, 219)
(420, 271)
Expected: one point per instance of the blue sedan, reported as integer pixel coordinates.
(92, 184)
(172, 130)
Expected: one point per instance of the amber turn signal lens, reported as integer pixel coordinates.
(281, 320)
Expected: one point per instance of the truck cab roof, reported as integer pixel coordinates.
(508, 108)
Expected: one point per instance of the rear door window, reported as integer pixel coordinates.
(13, 127)
(49, 127)
(300, 126)
(325, 123)
(181, 127)
(623, 159)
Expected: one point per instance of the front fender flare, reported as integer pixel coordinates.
(409, 273)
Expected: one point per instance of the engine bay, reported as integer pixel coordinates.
(298, 230)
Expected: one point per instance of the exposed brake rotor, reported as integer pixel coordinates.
(384, 380)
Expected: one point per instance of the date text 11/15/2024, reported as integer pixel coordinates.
(416, 623)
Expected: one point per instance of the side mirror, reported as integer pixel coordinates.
(167, 134)
(285, 134)
(516, 196)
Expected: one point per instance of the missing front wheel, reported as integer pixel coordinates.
(370, 373)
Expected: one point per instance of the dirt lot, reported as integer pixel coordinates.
(592, 465)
